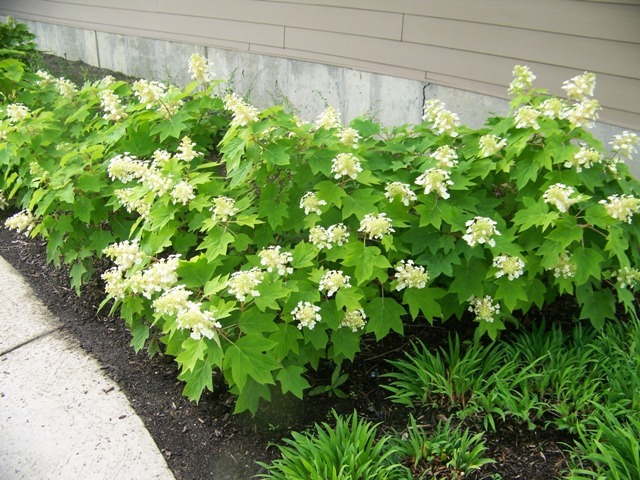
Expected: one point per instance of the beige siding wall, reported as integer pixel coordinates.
(466, 44)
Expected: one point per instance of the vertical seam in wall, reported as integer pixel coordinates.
(284, 37)
(95, 33)
(402, 29)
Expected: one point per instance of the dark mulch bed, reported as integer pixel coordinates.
(206, 441)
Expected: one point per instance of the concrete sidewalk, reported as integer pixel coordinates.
(60, 416)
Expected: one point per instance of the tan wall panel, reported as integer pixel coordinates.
(602, 56)
(576, 17)
(109, 19)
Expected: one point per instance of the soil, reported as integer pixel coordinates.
(205, 440)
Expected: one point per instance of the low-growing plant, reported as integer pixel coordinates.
(443, 452)
(449, 377)
(612, 449)
(350, 450)
(17, 42)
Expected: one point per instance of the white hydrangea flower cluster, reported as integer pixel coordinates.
(200, 69)
(17, 112)
(410, 275)
(244, 283)
(401, 191)
(22, 221)
(552, 108)
(275, 260)
(172, 301)
(243, 113)
(200, 322)
(435, 180)
(624, 144)
(376, 226)
(559, 195)
(126, 167)
(125, 254)
(583, 114)
(481, 230)
(354, 319)
(45, 78)
(327, 237)
(66, 88)
(522, 81)
(628, 277)
(186, 150)
(161, 158)
(107, 81)
(580, 87)
(149, 93)
(444, 121)
(349, 136)
(491, 144)
(3, 201)
(311, 203)
(159, 276)
(446, 156)
(345, 165)
(565, 268)
(115, 283)
(112, 106)
(328, 119)
(182, 193)
(333, 280)
(585, 158)
(527, 117)
(223, 208)
(484, 308)
(512, 267)
(307, 314)
(621, 207)
(132, 202)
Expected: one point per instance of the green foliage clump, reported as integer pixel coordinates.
(348, 451)
(17, 42)
(256, 244)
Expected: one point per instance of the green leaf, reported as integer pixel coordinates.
(467, 279)
(197, 380)
(91, 183)
(291, 380)
(510, 292)
(248, 357)
(249, 397)
(365, 127)
(345, 343)
(192, 352)
(369, 262)
(254, 321)
(349, 298)
(232, 151)
(384, 314)
(277, 153)
(330, 193)
(286, 338)
(597, 306)
(360, 203)
(269, 293)
(216, 243)
(304, 255)
(139, 334)
(535, 214)
(196, 272)
(424, 300)
(566, 231)
(587, 261)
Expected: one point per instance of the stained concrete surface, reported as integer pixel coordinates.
(60, 416)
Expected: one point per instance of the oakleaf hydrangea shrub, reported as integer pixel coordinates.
(290, 240)
(319, 233)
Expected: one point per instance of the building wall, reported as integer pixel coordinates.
(389, 54)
